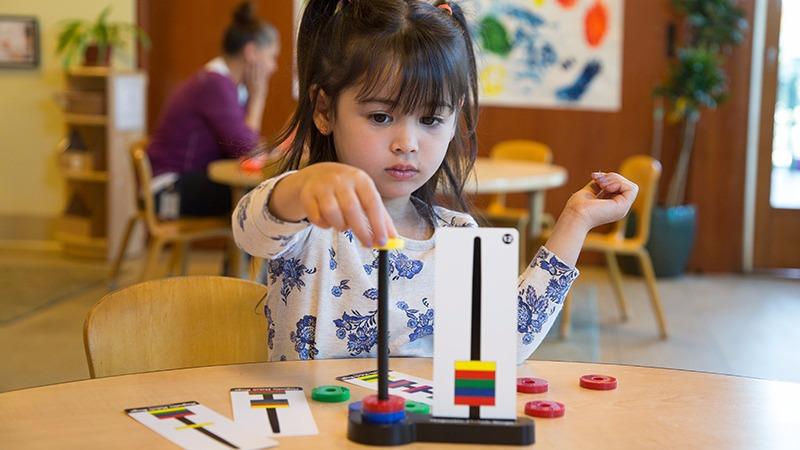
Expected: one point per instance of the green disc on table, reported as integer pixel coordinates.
(413, 407)
(330, 394)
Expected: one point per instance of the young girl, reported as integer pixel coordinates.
(387, 115)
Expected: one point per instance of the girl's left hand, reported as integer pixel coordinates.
(606, 199)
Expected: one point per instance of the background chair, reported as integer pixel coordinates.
(175, 323)
(644, 171)
(498, 213)
(180, 232)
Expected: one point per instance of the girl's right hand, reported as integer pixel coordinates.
(335, 195)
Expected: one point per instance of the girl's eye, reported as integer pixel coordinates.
(380, 118)
(431, 120)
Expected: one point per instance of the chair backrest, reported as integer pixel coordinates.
(645, 171)
(175, 323)
(143, 174)
(518, 150)
(522, 150)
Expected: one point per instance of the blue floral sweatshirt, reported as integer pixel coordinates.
(322, 300)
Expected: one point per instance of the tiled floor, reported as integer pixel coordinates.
(729, 323)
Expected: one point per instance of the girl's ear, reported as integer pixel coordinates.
(323, 113)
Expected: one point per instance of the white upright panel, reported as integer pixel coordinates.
(453, 316)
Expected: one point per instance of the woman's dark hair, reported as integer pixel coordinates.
(420, 48)
(246, 27)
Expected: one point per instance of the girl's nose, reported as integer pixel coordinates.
(405, 139)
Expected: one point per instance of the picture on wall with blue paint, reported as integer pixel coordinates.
(549, 53)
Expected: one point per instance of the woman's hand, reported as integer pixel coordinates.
(256, 79)
(334, 195)
(607, 198)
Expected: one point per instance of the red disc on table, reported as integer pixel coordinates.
(545, 408)
(599, 382)
(532, 385)
(372, 404)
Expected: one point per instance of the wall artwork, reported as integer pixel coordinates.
(19, 42)
(549, 53)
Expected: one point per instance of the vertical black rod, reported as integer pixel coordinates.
(475, 331)
(206, 432)
(383, 325)
(272, 415)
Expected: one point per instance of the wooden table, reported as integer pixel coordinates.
(491, 177)
(651, 408)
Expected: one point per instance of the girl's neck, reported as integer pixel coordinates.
(407, 220)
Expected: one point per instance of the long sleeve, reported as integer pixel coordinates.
(221, 110)
(257, 231)
(540, 295)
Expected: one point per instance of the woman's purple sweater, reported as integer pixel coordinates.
(202, 122)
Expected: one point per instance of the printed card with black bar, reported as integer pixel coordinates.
(273, 411)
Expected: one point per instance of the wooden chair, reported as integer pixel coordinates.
(644, 171)
(180, 232)
(175, 323)
(498, 213)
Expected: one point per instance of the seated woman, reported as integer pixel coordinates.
(215, 114)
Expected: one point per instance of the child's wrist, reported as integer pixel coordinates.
(573, 221)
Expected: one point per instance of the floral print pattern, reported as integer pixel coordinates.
(361, 331)
(304, 338)
(336, 291)
(420, 322)
(291, 272)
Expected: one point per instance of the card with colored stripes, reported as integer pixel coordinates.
(194, 426)
(273, 411)
(400, 384)
(475, 317)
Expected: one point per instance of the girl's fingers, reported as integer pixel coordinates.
(354, 216)
(373, 208)
(313, 213)
(330, 210)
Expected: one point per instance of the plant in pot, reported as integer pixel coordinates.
(696, 81)
(96, 40)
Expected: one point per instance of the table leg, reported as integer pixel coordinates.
(535, 211)
(240, 267)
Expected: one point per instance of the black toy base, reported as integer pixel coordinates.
(424, 428)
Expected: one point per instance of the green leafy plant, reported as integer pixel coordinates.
(78, 35)
(696, 79)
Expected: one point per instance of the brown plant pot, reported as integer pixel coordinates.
(91, 57)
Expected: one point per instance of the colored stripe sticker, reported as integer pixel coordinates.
(474, 401)
(479, 366)
(477, 384)
(467, 392)
(473, 375)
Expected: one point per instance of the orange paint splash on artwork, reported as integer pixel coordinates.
(596, 23)
(567, 3)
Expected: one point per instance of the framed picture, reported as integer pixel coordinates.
(19, 42)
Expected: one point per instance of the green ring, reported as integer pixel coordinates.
(330, 394)
(413, 407)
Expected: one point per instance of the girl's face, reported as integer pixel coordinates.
(399, 151)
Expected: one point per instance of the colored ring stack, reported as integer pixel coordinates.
(375, 410)
(413, 407)
(544, 408)
(532, 385)
(330, 394)
(598, 382)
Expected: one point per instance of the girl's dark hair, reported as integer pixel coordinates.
(246, 27)
(422, 49)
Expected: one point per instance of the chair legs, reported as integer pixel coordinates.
(650, 279)
(153, 255)
(616, 282)
(565, 316)
(177, 264)
(126, 237)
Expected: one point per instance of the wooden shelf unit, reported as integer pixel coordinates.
(100, 197)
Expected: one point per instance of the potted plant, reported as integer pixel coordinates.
(95, 41)
(696, 81)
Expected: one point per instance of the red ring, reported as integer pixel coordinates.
(532, 385)
(598, 382)
(372, 404)
(545, 408)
